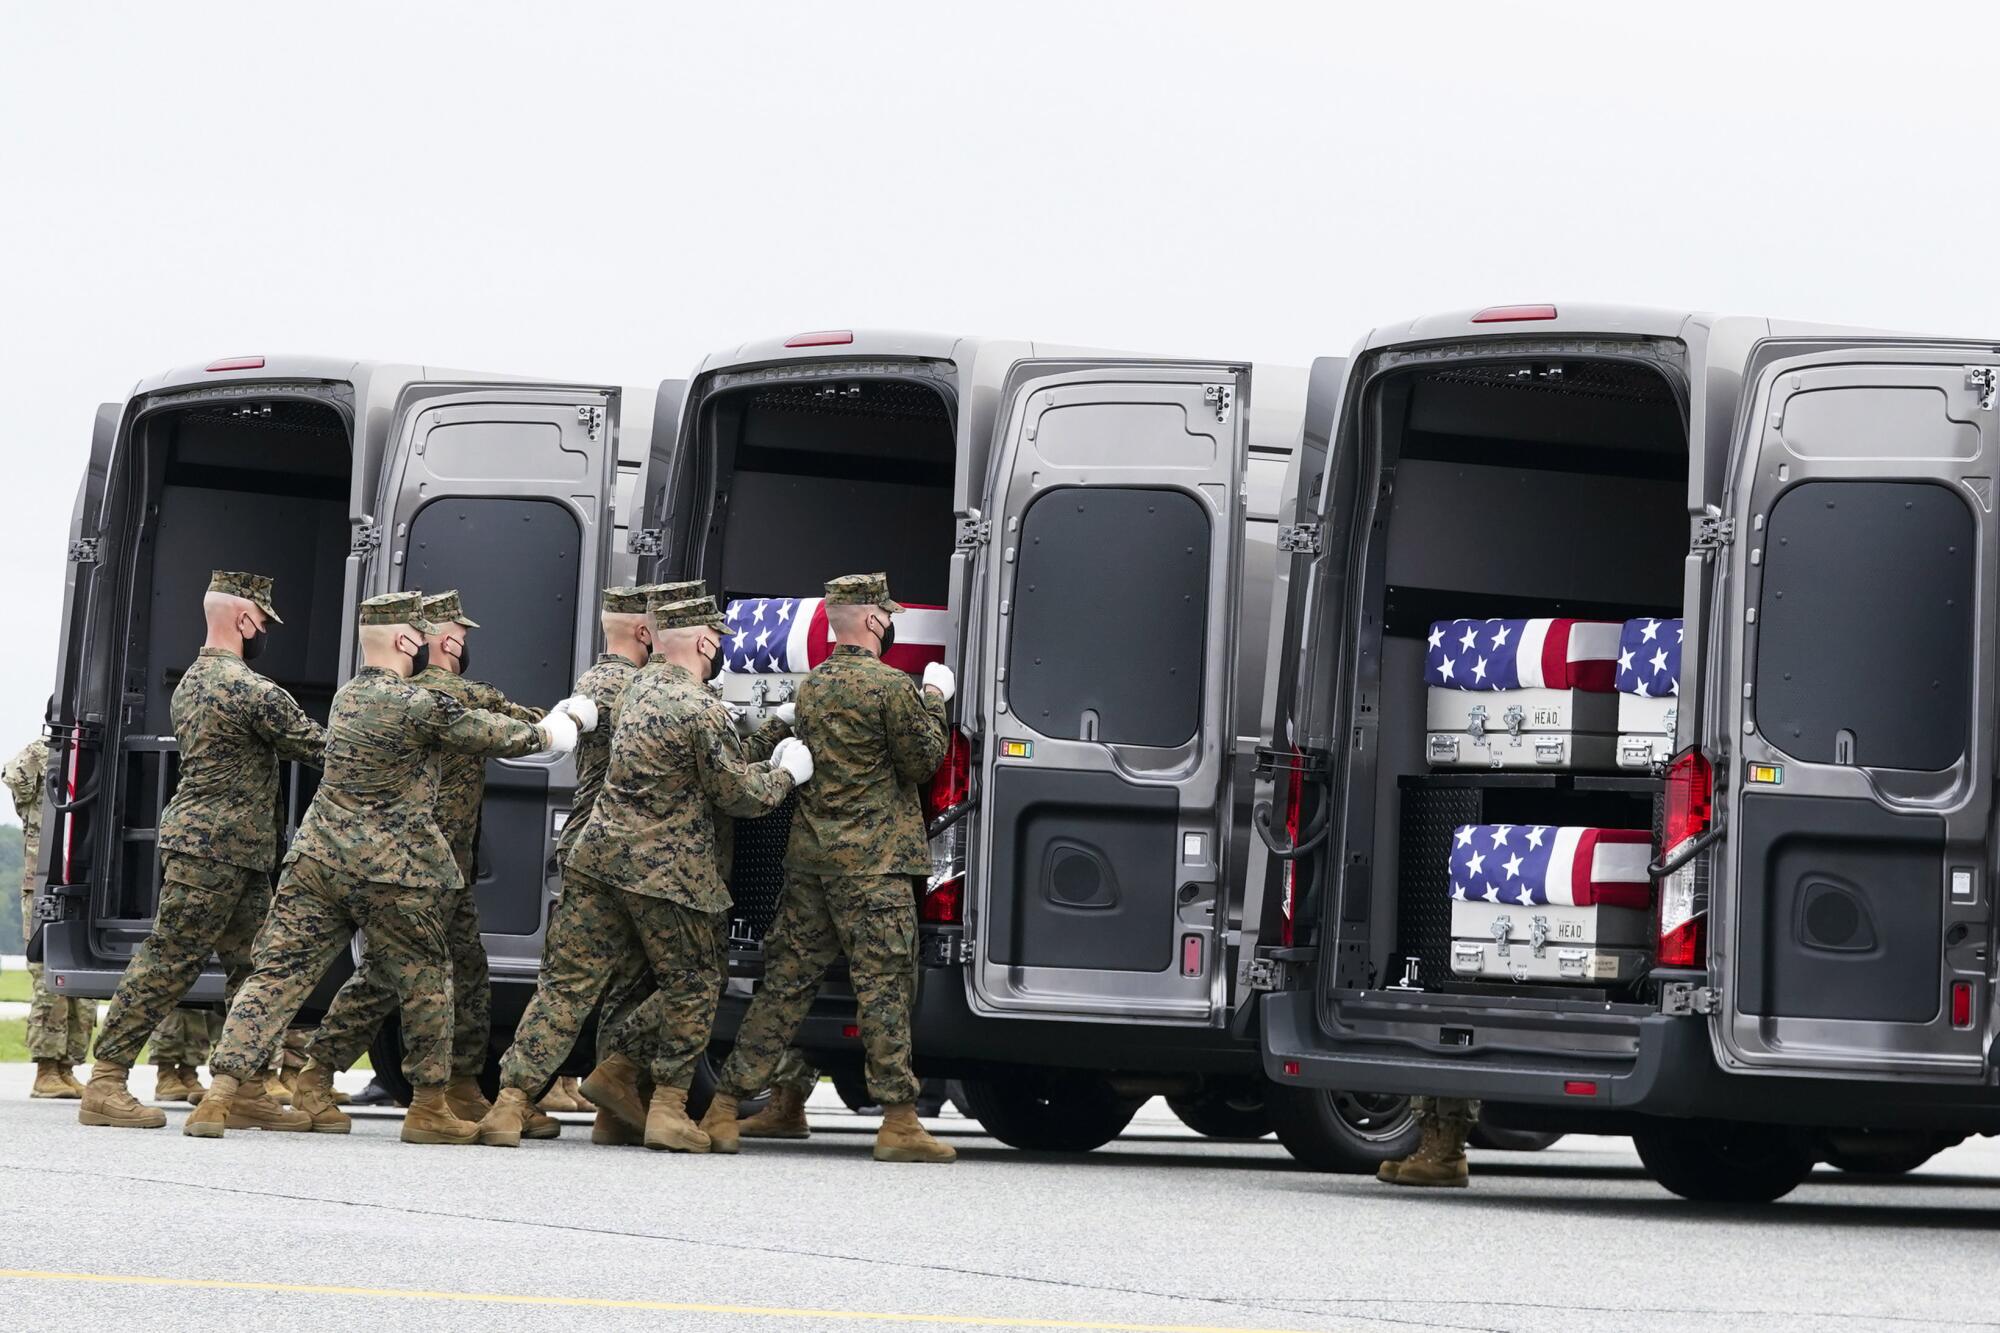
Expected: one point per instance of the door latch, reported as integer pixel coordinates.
(367, 537)
(1984, 381)
(973, 533)
(1221, 397)
(592, 419)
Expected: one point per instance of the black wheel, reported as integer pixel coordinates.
(931, 1097)
(1349, 1132)
(853, 1090)
(1882, 1153)
(1046, 1111)
(1510, 1140)
(1721, 1161)
(1230, 1111)
(954, 1092)
(386, 1054)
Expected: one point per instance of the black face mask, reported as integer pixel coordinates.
(420, 659)
(888, 636)
(715, 663)
(464, 657)
(253, 645)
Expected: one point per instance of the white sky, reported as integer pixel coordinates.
(605, 193)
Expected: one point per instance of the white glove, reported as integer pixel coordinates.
(785, 713)
(937, 676)
(558, 733)
(792, 755)
(582, 710)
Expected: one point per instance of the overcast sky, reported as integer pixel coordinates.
(605, 193)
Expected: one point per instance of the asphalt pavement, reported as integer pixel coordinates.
(139, 1230)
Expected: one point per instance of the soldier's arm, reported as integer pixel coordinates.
(736, 786)
(276, 716)
(488, 698)
(757, 746)
(918, 733)
(450, 725)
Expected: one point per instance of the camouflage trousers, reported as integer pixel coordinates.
(592, 939)
(58, 1027)
(795, 1073)
(873, 919)
(184, 1037)
(316, 911)
(633, 1029)
(1453, 1113)
(368, 997)
(205, 907)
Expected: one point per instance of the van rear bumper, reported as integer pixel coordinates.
(1602, 1070)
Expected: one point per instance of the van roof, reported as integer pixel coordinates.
(306, 366)
(913, 344)
(1573, 319)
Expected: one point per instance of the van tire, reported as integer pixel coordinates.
(1049, 1111)
(1350, 1133)
(1225, 1111)
(1495, 1139)
(1870, 1153)
(1724, 1161)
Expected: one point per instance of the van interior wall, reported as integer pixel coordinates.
(1517, 492)
(822, 478)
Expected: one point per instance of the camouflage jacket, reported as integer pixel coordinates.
(462, 777)
(233, 727)
(23, 776)
(374, 816)
(602, 684)
(875, 737)
(675, 769)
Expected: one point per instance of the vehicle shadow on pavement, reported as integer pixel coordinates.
(1794, 1211)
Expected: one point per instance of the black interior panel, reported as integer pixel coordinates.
(1086, 878)
(1110, 615)
(511, 820)
(1864, 646)
(1843, 910)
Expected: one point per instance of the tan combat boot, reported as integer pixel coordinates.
(168, 1085)
(542, 1126)
(253, 1107)
(277, 1088)
(556, 1099)
(784, 1118)
(724, 1133)
(466, 1100)
(668, 1128)
(312, 1097)
(429, 1119)
(1439, 1161)
(68, 1072)
(581, 1102)
(1389, 1170)
(608, 1131)
(49, 1082)
(903, 1139)
(107, 1102)
(211, 1118)
(191, 1080)
(613, 1087)
(507, 1121)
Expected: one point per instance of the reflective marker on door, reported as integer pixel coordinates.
(1769, 774)
(1961, 1004)
(1190, 955)
(1017, 749)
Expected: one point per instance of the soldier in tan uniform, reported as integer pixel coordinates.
(643, 874)
(856, 853)
(218, 842)
(369, 856)
(58, 1027)
(368, 997)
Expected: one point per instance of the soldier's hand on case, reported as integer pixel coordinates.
(937, 676)
(558, 733)
(792, 755)
(786, 713)
(582, 709)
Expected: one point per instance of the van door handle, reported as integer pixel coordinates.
(1260, 819)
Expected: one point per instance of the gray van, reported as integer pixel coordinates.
(1817, 505)
(342, 479)
(1100, 531)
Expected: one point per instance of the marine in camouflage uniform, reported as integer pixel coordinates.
(179, 1047)
(369, 856)
(368, 997)
(857, 849)
(218, 843)
(58, 1027)
(1439, 1160)
(644, 873)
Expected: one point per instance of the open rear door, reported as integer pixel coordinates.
(1107, 638)
(504, 492)
(1856, 910)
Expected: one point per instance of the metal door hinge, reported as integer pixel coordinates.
(1684, 997)
(1713, 533)
(1299, 539)
(1221, 397)
(973, 533)
(1986, 382)
(945, 950)
(367, 538)
(83, 551)
(644, 541)
(592, 419)
(1268, 974)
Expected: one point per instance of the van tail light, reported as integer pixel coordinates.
(821, 338)
(1513, 314)
(951, 785)
(236, 363)
(943, 903)
(943, 899)
(1690, 810)
(1295, 795)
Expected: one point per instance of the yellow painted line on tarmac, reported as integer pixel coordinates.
(608, 1303)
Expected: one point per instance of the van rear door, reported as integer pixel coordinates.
(1855, 911)
(1115, 509)
(504, 492)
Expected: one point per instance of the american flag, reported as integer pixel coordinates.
(774, 635)
(1522, 654)
(1649, 657)
(1527, 864)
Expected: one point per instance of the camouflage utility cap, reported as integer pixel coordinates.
(675, 592)
(442, 608)
(861, 590)
(254, 588)
(687, 613)
(396, 608)
(624, 602)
